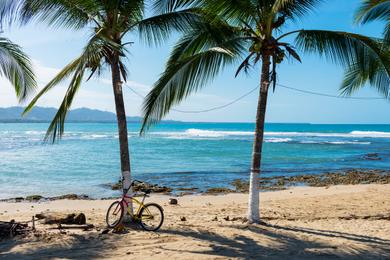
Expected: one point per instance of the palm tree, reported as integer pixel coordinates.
(17, 68)
(109, 22)
(375, 73)
(248, 32)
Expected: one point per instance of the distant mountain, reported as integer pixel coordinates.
(45, 114)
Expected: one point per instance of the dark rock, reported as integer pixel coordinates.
(144, 186)
(372, 157)
(219, 190)
(19, 199)
(70, 197)
(34, 197)
(188, 189)
(240, 185)
(183, 218)
(80, 219)
(173, 201)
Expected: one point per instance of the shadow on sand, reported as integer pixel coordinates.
(257, 241)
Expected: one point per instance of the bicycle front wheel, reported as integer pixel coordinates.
(114, 214)
(151, 217)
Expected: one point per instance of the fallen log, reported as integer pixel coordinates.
(53, 218)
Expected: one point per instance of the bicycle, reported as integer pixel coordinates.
(150, 216)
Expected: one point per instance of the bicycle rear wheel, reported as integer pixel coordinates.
(151, 217)
(114, 214)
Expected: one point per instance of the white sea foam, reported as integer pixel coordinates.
(276, 137)
(334, 142)
(211, 133)
(357, 134)
(371, 134)
(214, 133)
(278, 140)
(35, 132)
(271, 137)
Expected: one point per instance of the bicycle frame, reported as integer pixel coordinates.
(125, 202)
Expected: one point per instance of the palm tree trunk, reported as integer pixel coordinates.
(254, 199)
(122, 124)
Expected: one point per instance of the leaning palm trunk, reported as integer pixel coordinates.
(122, 124)
(253, 210)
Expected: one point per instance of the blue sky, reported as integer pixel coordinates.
(51, 49)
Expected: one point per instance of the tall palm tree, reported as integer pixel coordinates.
(109, 23)
(375, 73)
(248, 32)
(16, 66)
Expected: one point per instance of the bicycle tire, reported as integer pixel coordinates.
(116, 223)
(145, 226)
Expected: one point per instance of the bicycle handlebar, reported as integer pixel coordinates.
(132, 185)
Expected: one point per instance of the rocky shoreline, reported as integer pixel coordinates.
(349, 177)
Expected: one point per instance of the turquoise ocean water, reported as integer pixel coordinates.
(199, 155)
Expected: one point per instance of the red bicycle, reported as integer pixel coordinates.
(150, 216)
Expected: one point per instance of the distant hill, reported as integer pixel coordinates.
(45, 114)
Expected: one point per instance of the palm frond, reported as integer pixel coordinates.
(245, 65)
(157, 29)
(17, 68)
(367, 71)
(234, 11)
(180, 79)
(355, 52)
(61, 76)
(167, 6)
(58, 13)
(294, 8)
(92, 58)
(340, 47)
(196, 59)
(372, 10)
(56, 127)
(131, 12)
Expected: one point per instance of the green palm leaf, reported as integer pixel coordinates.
(372, 10)
(366, 60)
(375, 10)
(90, 59)
(157, 29)
(17, 68)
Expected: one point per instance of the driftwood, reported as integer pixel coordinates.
(69, 219)
(83, 227)
(12, 228)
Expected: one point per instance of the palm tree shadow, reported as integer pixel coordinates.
(253, 242)
(278, 242)
(81, 247)
(328, 233)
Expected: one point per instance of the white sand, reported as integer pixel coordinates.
(303, 223)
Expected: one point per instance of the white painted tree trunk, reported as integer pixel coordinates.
(254, 198)
(126, 181)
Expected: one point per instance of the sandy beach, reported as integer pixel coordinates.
(301, 223)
